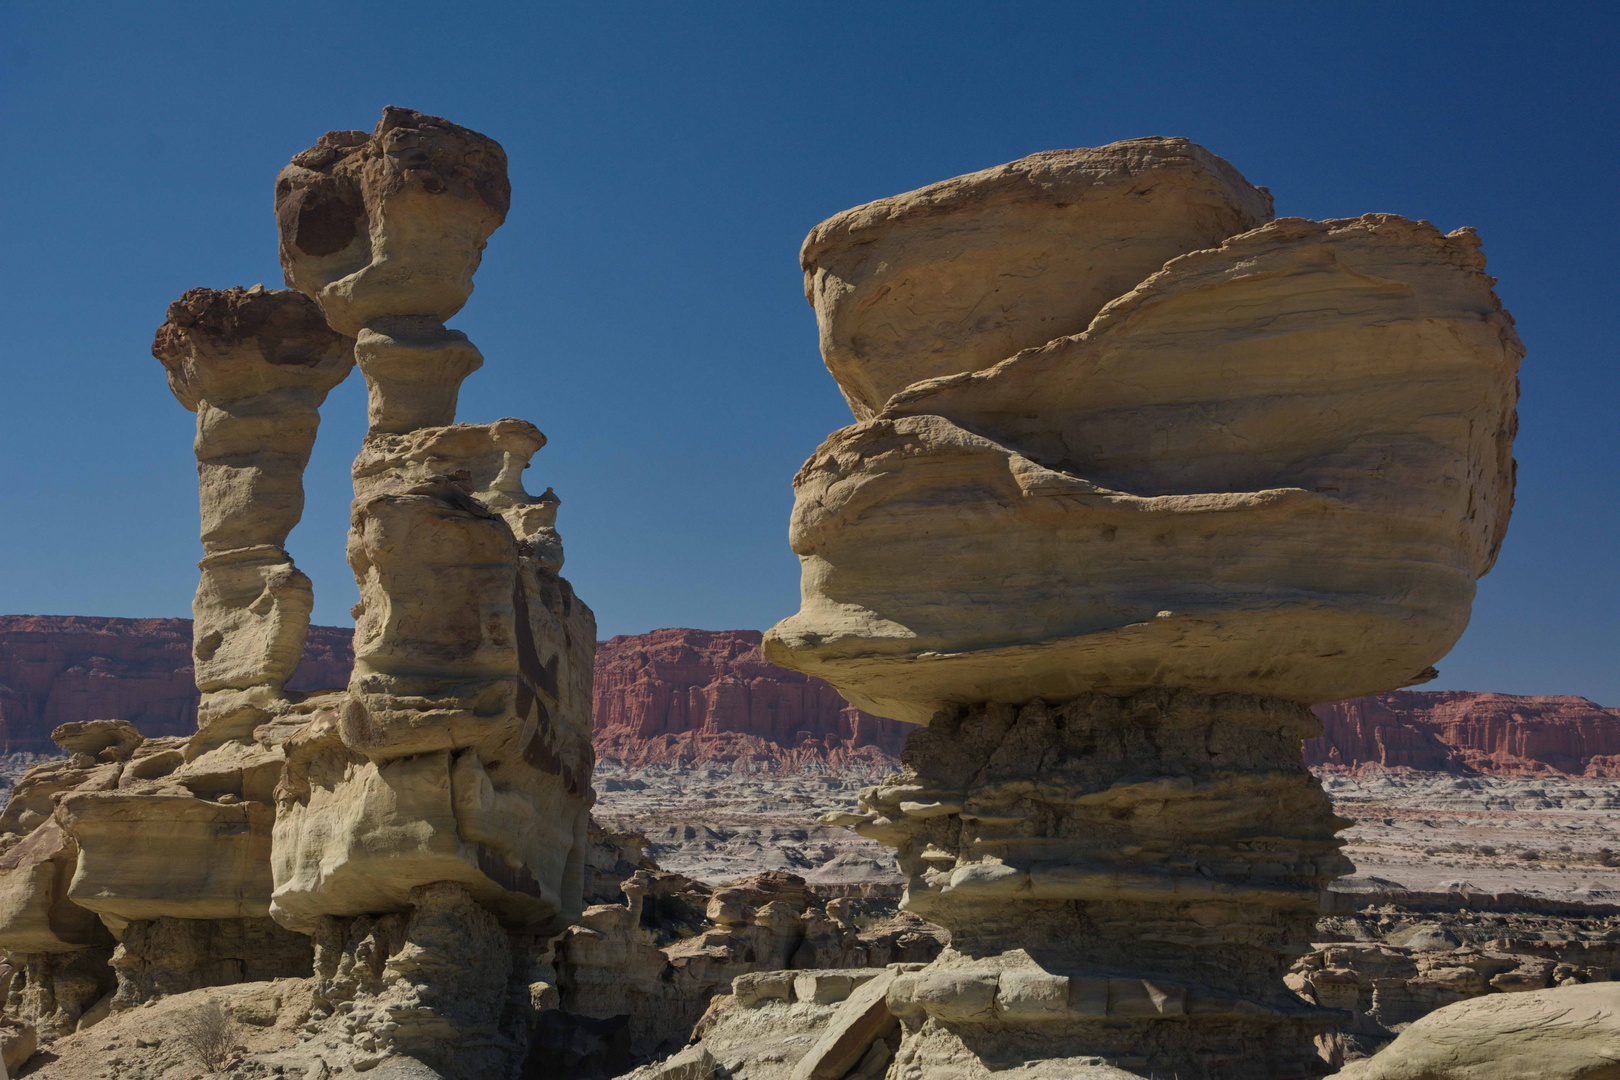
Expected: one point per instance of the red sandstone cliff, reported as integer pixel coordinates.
(1462, 732)
(710, 695)
(702, 695)
(56, 668)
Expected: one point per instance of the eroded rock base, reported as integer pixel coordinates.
(1126, 882)
(53, 991)
(443, 987)
(157, 957)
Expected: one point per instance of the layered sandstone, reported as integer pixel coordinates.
(58, 669)
(687, 696)
(1219, 485)
(1457, 731)
(460, 751)
(1138, 475)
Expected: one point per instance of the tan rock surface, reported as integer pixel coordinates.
(1319, 480)
(36, 915)
(461, 752)
(1570, 1033)
(393, 223)
(961, 274)
(1111, 520)
(254, 365)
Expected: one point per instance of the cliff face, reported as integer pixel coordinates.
(1461, 732)
(681, 695)
(57, 668)
(703, 695)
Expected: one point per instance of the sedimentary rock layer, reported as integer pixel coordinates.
(682, 695)
(461, 751)
(1319, 479)
(701, 695)
(1460, 732)
(962, 274)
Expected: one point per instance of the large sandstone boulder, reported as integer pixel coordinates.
(1570, 1033)
(1276, 467)
(1138, 475)
(962, 274)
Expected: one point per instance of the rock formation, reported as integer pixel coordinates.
(461, 750)
(255, 366)
(59, 669)
(416, 838)
(1139, 474)
(1470, 734)
(692, 696)
(1571, 1033)
(449, 789)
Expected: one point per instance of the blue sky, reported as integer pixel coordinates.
(643, 302)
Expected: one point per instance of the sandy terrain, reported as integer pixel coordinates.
(1422, 831)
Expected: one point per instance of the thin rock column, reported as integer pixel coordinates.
(254, 365)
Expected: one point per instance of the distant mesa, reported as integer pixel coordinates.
(687, 696)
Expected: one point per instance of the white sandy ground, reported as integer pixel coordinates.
(711, 823)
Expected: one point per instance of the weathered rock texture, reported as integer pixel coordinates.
(166, 841)
(1456, 731)
(1276, 466)
(1126, 444)
(693, 696)
(686, 696)
(461, 751)
(449, 788)
(654, 963)
(1571, 1033)
(255, 366)
(1106, 860)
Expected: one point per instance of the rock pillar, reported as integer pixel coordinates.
(1138, 475)
(254, 365)
(458, 762)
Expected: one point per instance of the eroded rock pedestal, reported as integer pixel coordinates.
(1104, 865)
(1139, 474)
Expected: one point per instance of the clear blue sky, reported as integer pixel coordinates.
(643, 302)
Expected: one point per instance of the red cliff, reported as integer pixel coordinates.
(704, 695)
(710, 695)
(1462, 732)
(56, 668)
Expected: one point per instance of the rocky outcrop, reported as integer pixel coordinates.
(58, 669)
(687, 696)
(655, 962)
(431, 821)
(1467, 733)
(1138, 475)
(693, 696)
(1570, 1033)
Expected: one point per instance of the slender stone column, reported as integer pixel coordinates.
(462, 749)
(254, 365)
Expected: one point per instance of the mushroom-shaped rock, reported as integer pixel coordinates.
(391, 223)
(1274, 467)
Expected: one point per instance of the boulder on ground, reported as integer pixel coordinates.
(1568, 1033)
